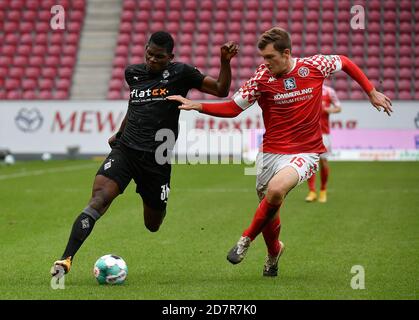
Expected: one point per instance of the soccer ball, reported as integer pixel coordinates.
(110, 269)
(9, 160)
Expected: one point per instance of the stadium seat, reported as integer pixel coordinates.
(405, 95)
(316, 26)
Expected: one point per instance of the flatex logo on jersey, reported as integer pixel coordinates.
(138, 95)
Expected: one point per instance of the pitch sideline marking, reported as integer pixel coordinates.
(44, 171)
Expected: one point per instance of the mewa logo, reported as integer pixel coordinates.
(136, 93)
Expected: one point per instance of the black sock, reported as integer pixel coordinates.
(81, 229)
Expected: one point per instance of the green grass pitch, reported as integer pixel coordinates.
(371, 220)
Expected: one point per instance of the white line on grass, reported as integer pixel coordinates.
(215, 190)
(45, 171)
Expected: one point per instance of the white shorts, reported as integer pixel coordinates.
(328, 144)
(268, 165)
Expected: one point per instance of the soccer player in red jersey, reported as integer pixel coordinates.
(289, 92)
(330, 104)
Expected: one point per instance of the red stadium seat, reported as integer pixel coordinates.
(200, 62)
(327, 28)
(20, 61)
(405, 39)
(29, 95)
(405, 62)
(16, 72)
(298, 5)
(312, 15)
(204, 28)
(342, 94)
(310, 50)
(405, 73)
(114, 95)
(357, 95)
(8, 50)
(311, 39)
(328, 16)
(14, 15)
(63, 84)
(405, 95)
(12, 84)
(5, 61)
(328, 5)
(204, 16)
(221, 5)
(32, 72)
(373, 73)
(267, 5)
(45, 95)
(251, 16)
(61, 94)
(49, 73)
(357, 51)
(404, 84)
(29, 84)
(14, 95)
(389, 73)
(12, 39)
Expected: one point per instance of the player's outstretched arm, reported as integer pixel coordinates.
(377, 99)
(221, 86)
(186, 104)
(227, 109)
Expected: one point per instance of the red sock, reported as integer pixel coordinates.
(312, 183)
(263, 215)
(324, 175)
(271, 236)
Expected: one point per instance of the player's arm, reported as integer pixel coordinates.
(225, 109)
(334, 103)
(377, 99)
(221, 86)
(333, 108)
(112, 139)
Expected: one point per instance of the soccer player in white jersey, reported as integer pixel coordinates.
(289, 91)
(330, 104)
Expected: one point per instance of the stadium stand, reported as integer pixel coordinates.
(37, 62)
(386, 49)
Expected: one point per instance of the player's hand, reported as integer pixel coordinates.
(379, 100)
(186, 104)
(229, 50)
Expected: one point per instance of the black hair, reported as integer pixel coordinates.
(162, 39)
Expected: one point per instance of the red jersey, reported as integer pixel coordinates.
(290, 103)
(329, 96)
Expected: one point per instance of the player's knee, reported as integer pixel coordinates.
(276, 194)
(98, 203)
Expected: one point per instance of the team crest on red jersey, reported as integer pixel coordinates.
(290, 84)
(303, 72)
